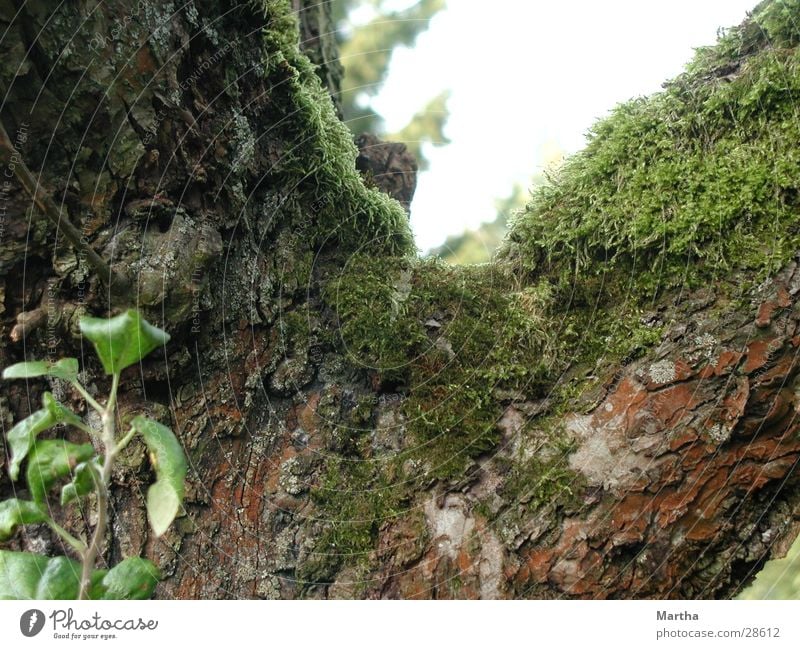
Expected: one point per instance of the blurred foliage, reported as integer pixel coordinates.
(473, 246)
(366, 52)
(425, 126)
(478, 246)
(779, 579)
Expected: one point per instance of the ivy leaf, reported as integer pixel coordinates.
(132, 578)
(66, 368)
(166, 455)
(163, 503)
(23, 435)
(32, 576)
(59, 411)
(122, 340)
(85, 480)
(27, 370)
(15, 512)
(53, 459)
(60, 579)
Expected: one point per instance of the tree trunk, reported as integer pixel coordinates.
(360, 423)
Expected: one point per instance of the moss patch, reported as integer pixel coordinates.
(545, 479)
(451, 339)
(355, 498)
(688, 185)
(694, 185)
(319, 160)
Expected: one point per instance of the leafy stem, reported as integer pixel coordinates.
(89, 556)
(119, 341)
(89, 399)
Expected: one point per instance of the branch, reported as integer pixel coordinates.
(115, 281)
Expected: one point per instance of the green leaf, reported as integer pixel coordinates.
(66, 368)
(85, 480)
(60, 579)
(97, 590)
(166, 455)
(51, 460)
(27, 370)
(60, 412)
(132, 578)
(15, 512)
(31, 576)
(23, 435)
(122, 340)
(163, 503)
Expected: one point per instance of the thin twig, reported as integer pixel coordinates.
(8, 153)
(124, 441)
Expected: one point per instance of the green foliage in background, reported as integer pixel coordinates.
(478, 246)
(85, 474)
(779, 579)
(366, 53)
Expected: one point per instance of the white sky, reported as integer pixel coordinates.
(528, 76)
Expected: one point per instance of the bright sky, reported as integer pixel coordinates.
(527, 77)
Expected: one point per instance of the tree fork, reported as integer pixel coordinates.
(687, 455)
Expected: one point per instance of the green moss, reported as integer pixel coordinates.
(319, 160)
(450, 339)
(694, 185)
(293, 265)
(295, 331)
(684, 186)
(361, 414)
(546, 478)
(375, 321)
(354, 499)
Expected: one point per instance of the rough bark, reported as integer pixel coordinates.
(388, 165)
(173, 144)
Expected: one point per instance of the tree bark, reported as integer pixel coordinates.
(184, 145)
